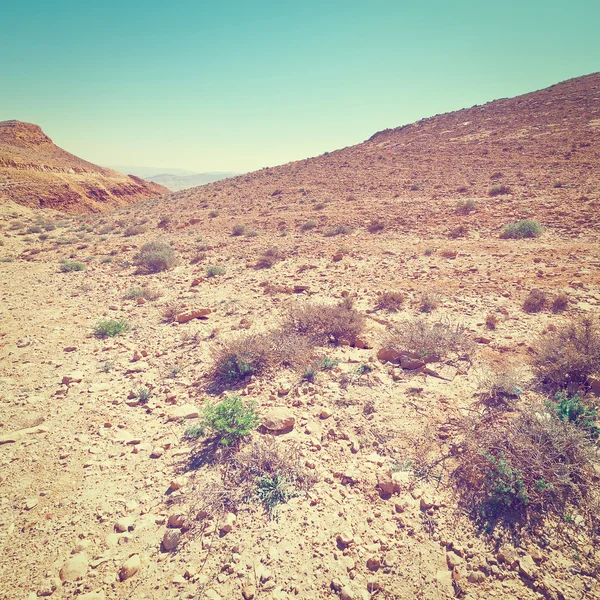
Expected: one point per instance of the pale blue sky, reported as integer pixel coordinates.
(237, 85)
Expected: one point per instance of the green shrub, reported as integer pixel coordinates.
(503, 484)
(272, 491)
(34, 229)
(155, 257)
(214, 271)
(143, 394)
(526, 228)
(110, 328)
(327, 363)
(229, 421)
(576, 411)
(67, 266)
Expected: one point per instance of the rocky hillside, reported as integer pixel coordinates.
(537, 154)
(35, 172)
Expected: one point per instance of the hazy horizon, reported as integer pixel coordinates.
(237, 87)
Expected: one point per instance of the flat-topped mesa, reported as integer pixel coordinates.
(35, 172)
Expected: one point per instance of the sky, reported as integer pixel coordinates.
(238, 85)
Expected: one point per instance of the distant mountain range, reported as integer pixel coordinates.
(175, 179)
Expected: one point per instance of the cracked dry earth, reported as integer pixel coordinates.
(96, 485)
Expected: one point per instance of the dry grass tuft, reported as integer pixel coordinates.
(390, 301)
(568, 356)
(535, 301)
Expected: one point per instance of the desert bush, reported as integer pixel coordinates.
(325, 323)
(34, 229)
(339, 230)
(429, 341)
(501, 386)
(214, 271)
(532, 464)
(143, 394)
(67, 266)
(110, 328)
(428, 251)
(566, 357)
(105, 229)
(270, 257)
(164, 222)
(560, 302)
(535, 301)
(576, 410)
(213, 214)
(6, 259)
(376, 226)
(465, 207)
(390, 300)
(499, 189)
(308, 225)
(428, 302)
(459, 231)
(526, 228)
(491, 321)
(229, 421)
(155, 257)
(320, 206)
(254, 354)
(134, 230)
(238, 230)
(146, 293)
(170, 311)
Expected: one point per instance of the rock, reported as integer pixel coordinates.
(594, 383)
(228, 523)
(176, 520)
(195, 314)
(171, 539)
(337, 257)
(74, 377)
(410, 364)
(16, 436)
(325, 413)
(453, 560)
(177, 483)
(389, 355)
(476, 577)
(507, 554)
(75, 568)
(299, 289)
(31, 503)
(125, 524)
(362, 344)
(186, 411)
(373, 564)
(279, 420)
(345, 538)
(248, 591)
(136, 356)
(98, 387)
(157, 452)
(127, 438)
(527, 567)
(130, 567)
(387, 486)
(483, 340)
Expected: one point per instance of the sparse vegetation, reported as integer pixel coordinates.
(238, 230)
(376, 226)
(146, 293)
(325, 323)
(465, 207)
(67, 266)
(501, 386)
(560, 303)
(428, 302)
(526, 228)
(568, 356)
(499, 189)
(134, 230)
(491, 321)
(391, 301)
(535, 301)
(155, 257)
(214, 271)
(339, 230)
(143, 394)
(308, 225)
(229, 421)
(110, 328)
(270, 257)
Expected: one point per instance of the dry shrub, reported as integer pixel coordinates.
(568, 356)
(322, 323)
(428, 302)
(255, 354)
(499, 387)
(430, 341)
(389, 300)
(171, 310)
(155, 257)
(465, 207)
(134, 230)
(535, 301)
(241, 476)
(459, 231)
(560, 302)
(376, 226)
(491, 321)
(531, 464)
(270, 257)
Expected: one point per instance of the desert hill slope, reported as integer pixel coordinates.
(536, 153)
(37, 173)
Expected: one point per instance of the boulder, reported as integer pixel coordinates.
(279, 420)
(75, 568)
(195, 314)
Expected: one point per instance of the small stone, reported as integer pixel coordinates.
(74, 377)
(476, 577)
(171, 539)
(228, 523)
(75, 568)
(130, 567)
(196, 314)
(345, 538)
(373, 564)
(176, 520)
(389, 355)
(248, 591)
(125, 524)
(157, 452)
(279, 420)
(453, 560)
(31, 503)
(186, 411)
